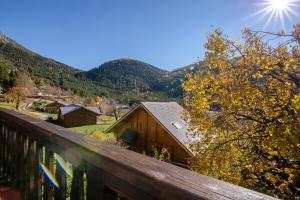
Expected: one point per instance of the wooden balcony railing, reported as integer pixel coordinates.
(100, 171)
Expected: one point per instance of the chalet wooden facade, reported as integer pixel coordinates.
(54, 107)
(153, 127)
(75, 115)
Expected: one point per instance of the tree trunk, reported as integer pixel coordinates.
(18, 103)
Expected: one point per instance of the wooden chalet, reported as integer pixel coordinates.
(155, 127)
(76, 115)
(54, 106)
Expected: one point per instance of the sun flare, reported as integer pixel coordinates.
(277, 11)
(279, 4)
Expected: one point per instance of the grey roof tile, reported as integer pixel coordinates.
(61, 102)
(169, 114)
(72, 107)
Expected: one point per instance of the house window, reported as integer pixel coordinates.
(128, 139)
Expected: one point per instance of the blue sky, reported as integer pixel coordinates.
(86, 33)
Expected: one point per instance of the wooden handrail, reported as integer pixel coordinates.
(110, 171)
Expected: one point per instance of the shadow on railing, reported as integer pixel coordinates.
(92, 169)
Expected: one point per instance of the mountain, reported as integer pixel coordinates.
(133, 75)
(126, 74)
(16, 58)
(121, 79)
(171, 84)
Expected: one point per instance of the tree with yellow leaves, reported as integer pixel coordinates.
(245, 104)
(98, 99)
(23, 87)
(16, 95)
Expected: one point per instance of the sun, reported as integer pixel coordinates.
(277, 11)
(279, 5)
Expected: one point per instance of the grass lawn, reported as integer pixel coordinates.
(10, 106)
(97, 131)
(37, 115)
(89, 129)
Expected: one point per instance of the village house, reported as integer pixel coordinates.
(54, 106)
(76, 115)
(155, 127)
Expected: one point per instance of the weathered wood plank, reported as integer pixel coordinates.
(6, 152)
(38, 176)
(20, 160)
(109, 194)
(30, 170)
(9, 155)
(12, 150)
(23, 171)
(48, 187)
(14, 156)
(2, 146)
(60, 175)
(95, 183)
(77, 188)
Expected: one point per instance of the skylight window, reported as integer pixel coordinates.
(177, 125)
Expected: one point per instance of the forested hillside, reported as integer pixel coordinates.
(126, 74)
(122, 79)
(16, 58)
(171, 84)
(134, 75)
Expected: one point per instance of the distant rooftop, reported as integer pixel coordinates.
(62, 102)
(72, 107)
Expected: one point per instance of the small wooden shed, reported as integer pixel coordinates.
(75, 115)
(153, 127)
(54, 106)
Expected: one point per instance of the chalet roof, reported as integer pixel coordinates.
(169, 115)
(93, 109)
(58, 101)
(72, 107)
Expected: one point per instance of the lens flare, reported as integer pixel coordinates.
(49, 175)
(63, 165)
(277, 11)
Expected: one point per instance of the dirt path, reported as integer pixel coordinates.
(24, 108)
